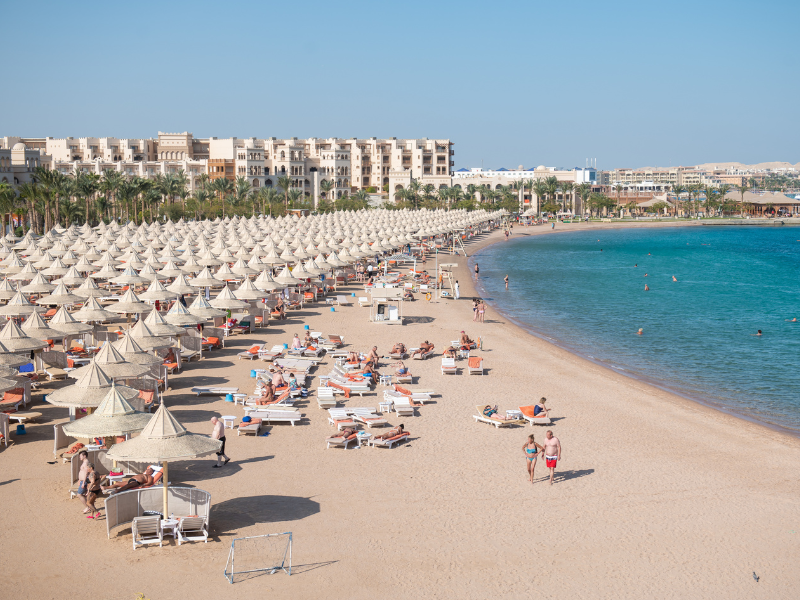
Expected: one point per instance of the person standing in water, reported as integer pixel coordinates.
(477, 270)
(506, 280)
(646, 288)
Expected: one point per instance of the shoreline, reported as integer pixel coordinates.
(496, 237)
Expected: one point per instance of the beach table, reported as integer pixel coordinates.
(228, 420)
(363, 438)
(170, 526)
(385, 380)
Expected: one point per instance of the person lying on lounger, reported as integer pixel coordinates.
(450, 352)
(467, 342)
(344, 433)
(407, 295)
(390, 433)
(134, 482)
(401, 368)
(352, 358)
(491, 412)
(424, 348)
(367, 371)
(398, 348)
(277, 379)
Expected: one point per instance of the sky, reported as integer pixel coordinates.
(631, 84)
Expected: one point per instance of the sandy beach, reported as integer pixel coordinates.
(655, 496)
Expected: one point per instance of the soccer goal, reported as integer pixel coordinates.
(259, 553)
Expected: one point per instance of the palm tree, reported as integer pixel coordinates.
(72, 212)
(325, 186)
(7, 197)
(285, 183)
(242, 188)
(29, 192)
(584, 191)
(723, 192)
(109, 185)
(567, 188)
(677, 190)
(539, 189)
(742, 189)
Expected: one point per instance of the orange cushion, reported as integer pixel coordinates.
(475, 362)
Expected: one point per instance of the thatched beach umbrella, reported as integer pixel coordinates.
(19, 306)
(114, 416)
(248, 291)
(157, 291)
(16, 340)
(63, 321)
(37, 328)
(266, 283)
(201, 308)
(164, 440)
(159, 327)
(181, 286)
(60, 296)
(89, 289)
(88, 390)
(7, 289)
(113, 364)
(38, 285)
(9, 359)
(286, 279)
(226, 300)
(129, 303)
(92, 311)
(206, 279)
(146, 338)
(133, 352)
(180, 315)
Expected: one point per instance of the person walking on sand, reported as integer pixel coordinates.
(481, 311)
(506, 280)
(458, 294)
(531, 450)
(218, 433)
(552, 453)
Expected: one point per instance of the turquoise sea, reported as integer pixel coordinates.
(583, 291)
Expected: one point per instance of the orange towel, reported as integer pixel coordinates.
(340, 387)
(475, 362)
(528, 412)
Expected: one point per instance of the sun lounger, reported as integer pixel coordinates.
(271, 355)
(422, 355)
(214, 391)
(364, 301)
(527, 414)
(341, 441)
(475, 365)
(367, 416)
(252, 353)
(313, 352)
(55, 373)
(403, 407)
(339, 418)
(449, 366)
(407, 378)
(390, 442)
(277, 416)
(491, 420)
(325, 397)
(147, 530)
(398, 355)
(192, 529)
(415, 394)
(254, 427)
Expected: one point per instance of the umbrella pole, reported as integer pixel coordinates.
(165, 479)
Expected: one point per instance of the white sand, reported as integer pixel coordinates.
(657, 497)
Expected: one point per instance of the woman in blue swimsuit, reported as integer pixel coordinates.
(532, 451)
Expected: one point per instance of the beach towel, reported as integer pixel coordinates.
(340, 387)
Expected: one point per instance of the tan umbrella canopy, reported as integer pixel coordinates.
(191, 266)
(89, 390)
(146, 338)
(248, 291)
(37, 328)
(129, 277)
(8, 384)
(60, 296)
(7, 289)
(129, 303)
(180, 315)
(16, 340)
(265, 282)
(226, 300)
(272, 258)
(206, 279)
(92, 311)
(171, 270)
(180, 286)
(107, 272)
(89, 289)
(134, 353)
(113, 364)
(285, 278)
(57, 268)
(241, 268)
(38, 285)
(208, 260)
(157, 291)
(163, 440)
(27, 273)
(63, 321)
(201, 308)
(114, 416)
(159, 327)
(8, 359)
(19, 306)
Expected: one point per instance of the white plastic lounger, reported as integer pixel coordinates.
(364, 301)
(367, 416)
(147, 530)
(390, 443)
(496, 422)
(403, 408)
(339, 418)
(277, 416)
(192, 529)
(214, 391)
(449, 366)
(341, 442)
(250, 354)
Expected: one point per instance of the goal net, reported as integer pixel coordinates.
(251, 556)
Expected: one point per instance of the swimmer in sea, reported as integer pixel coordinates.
(758, 334)
(648, 254)
(646, 288)
(645, 274)
(636, 265)
(640, 332)
(791, 320)
(673, 278)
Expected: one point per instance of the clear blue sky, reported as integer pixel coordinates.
(631, 83)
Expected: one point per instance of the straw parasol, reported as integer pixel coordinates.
(92, 311)
(248, 291)
(89, 289)
(8, 359)
(89, 389)
(227, 300)
(180, 315)
(129, 277)
(131, 351)
(241, 268)
(180, 286)
(129, 303)
(157, 291)
(206, 279)
(63, 321)
(113, 417)
(266, 283)
(164, 440)
(171, 269)
(57, 268)
(147, 338)
(60, 296)
(159, 327)
(107, 272)
(38, 285)
(113, 364)
(16, 340)
(37, 328)
(285, 278)
(19, 306)
(201, 308)
(7, 290)
(27, 273)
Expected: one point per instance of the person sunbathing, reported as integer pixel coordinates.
(267, 396)
(407, 295)
(344, 433)
(134, 482)
(398, 348)
(352, 358)
(491, 412)
(450, 352)
(366, 371)
(466, 342)
(390, 433)
(373, 355)
(424, 348)
(401, 368)
(277, 379)
(170, 357)
(296, 343)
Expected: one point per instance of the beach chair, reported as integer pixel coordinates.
(407, 378)
(192, 529)
(251, 353)
(339, 418)
(391, 442)
(271, 355)
(416, 395)
(341, 441)
(363, 301)
(475, 365)
(325, 397)
(491, 420)
(147, 530)
(254, 427)
(367, 417)
(313, 352)
(214, 391)
(449, 366)
(333, 342)
(277, 416)
(527, 414)
(403, 407)
(54, 373)
(422, 355)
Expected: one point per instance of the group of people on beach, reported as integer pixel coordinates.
(551, 451)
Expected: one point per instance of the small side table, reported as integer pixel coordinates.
(514, 414)
(236, 399)
(385, 406)
(228, 421)
(170, 526)
(115, 478)
(385, 380)
(363, 438)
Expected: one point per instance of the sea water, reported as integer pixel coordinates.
(585, 291)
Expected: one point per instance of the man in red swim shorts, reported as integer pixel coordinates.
(552, 452)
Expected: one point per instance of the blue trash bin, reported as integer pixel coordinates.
(21, 429)
(252, 372)
(333, 309)
(228, 397)
(305, 327)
